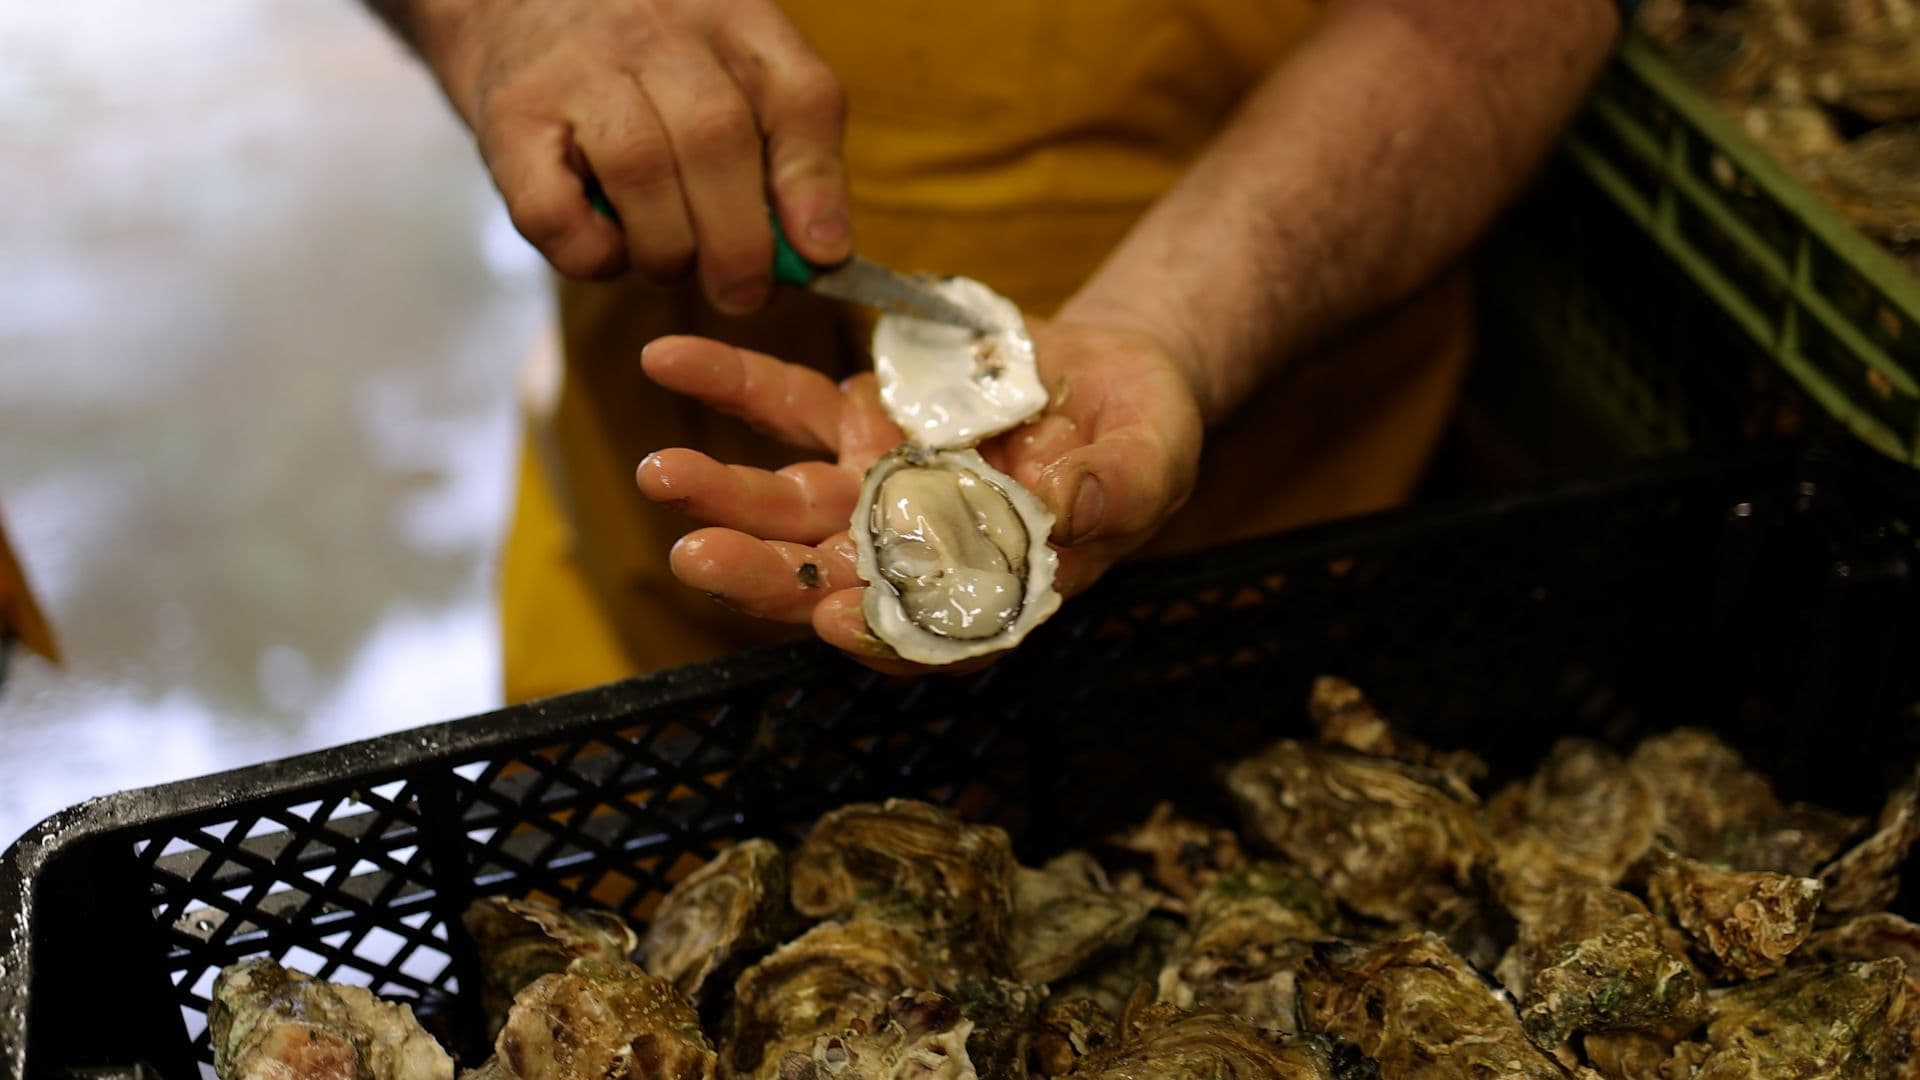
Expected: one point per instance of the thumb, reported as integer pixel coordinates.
(1122, 486)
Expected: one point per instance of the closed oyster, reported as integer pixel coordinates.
(1875, 182)
(1251, 930)
(1593, 959)
(917, 1036)
(1799, 840)
(816, 984)
(1002, 1012)
(1185, 855)
(600, 1019)
(949, 387)
(916, 867)
(1843, 1020)
(1065, 914)
(1066, 1031)
(1392, 841)
(1420, 1011)
(521, 940)
(268, 1023)
(1345, 717)
(954, 553)
(1743, 923)
(1703, 788)
(1163, 1042)
(1866, 937)
(1593, 816)
(1111, 980)
(1866, 877)
(718, 916)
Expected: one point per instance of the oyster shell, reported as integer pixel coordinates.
(1593, 959)
(1866, 937)
(600, 1019)
(918, 868)
(1110, 981)
(1068, 1030)
(917, 1036)
(1591, 814)
(718, 916)
(1168, 1043)
(1002, 1012)
(1703, 788)
(1065, 914)
(1392, 841)
(1875, 182)
(1743, 923)
(521, 940)
(1419, 1010)
(817, 984)
(1866, 877)
(266, 1022)
(954, 553)
(948, 387)
(1345, 717)
(1843, 1020)
(1251, 930)
(1185, 855)
(1798, 841)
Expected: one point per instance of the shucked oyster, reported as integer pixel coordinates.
(1394, 842)
(269, 1023)
(918, 1036)
(597, 1020)
(1420, 1010)
(1168, 1043)
(920, 869)
(948, 387)
(1066, 913)
(819, 983)
(521, 940)
(954, 553)
(718, 915)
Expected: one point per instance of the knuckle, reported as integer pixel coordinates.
(818, 94)
(543, 221)
(639, 163)
(717, 132)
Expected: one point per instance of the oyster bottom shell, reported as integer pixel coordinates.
(954, 553)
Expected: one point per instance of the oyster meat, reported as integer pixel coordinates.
(817, 984)
(1420, 1010)
(1251, 930)
(1392, 841)
(954, 553)
(1163, 1042)
(949, 387)
(918, 868)
(521, 940)
(1845, 1020)
(1743, 923)
(1065, 914)
(596, 1020)
(719, 916)
(268, 1023)
(1866, 877)
(918, 1036)
(1593, 959)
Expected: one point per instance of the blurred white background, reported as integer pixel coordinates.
(260, 316)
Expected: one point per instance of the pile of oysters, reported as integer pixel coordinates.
(1653, 915)
(1830, 87)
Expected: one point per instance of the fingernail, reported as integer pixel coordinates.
(829, 229)
(744, 295)
(1088, 504)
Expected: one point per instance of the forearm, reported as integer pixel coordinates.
(1363, 165)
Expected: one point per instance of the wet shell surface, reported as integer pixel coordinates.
(949, 387)
(954, 553)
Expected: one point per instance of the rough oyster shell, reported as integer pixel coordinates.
(1743, 922)
(1844, 1020)
(1866, 877)
(1065, 914)
(1170, 1043)
(267, 1023)
(599, 1019)
(1251, 930)
(1592, 815)
(917, 1036)
(521, 940)
(718, 915)
(1703, 788)
(948, 387)
(1185, 855)
(1068, 1030)
(954, 553)
(1345, 717)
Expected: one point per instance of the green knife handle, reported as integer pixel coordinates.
(789, 266)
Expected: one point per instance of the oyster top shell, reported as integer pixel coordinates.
(917, 1036)
(1065, 914)
(1346, 717)
(1743, 922)
(1866, 876)
(718, 915)
(1165, 1042)
(1594, 815)
(599, 1019)
(954, 553)
(1185, 854)
(1844, 1020)
(1251, 929)
(521, 940)
(1067, 1030)
(948, 387)
(1702, 786)
(267, 1022)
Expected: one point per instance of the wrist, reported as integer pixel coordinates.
(1175, 338)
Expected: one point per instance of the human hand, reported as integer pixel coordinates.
(1113, 456)
(665, 103)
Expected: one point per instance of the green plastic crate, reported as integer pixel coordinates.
(1815, 297)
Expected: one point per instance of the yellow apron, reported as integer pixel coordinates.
(1011, 141)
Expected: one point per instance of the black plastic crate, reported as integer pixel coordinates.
(1771, 597)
